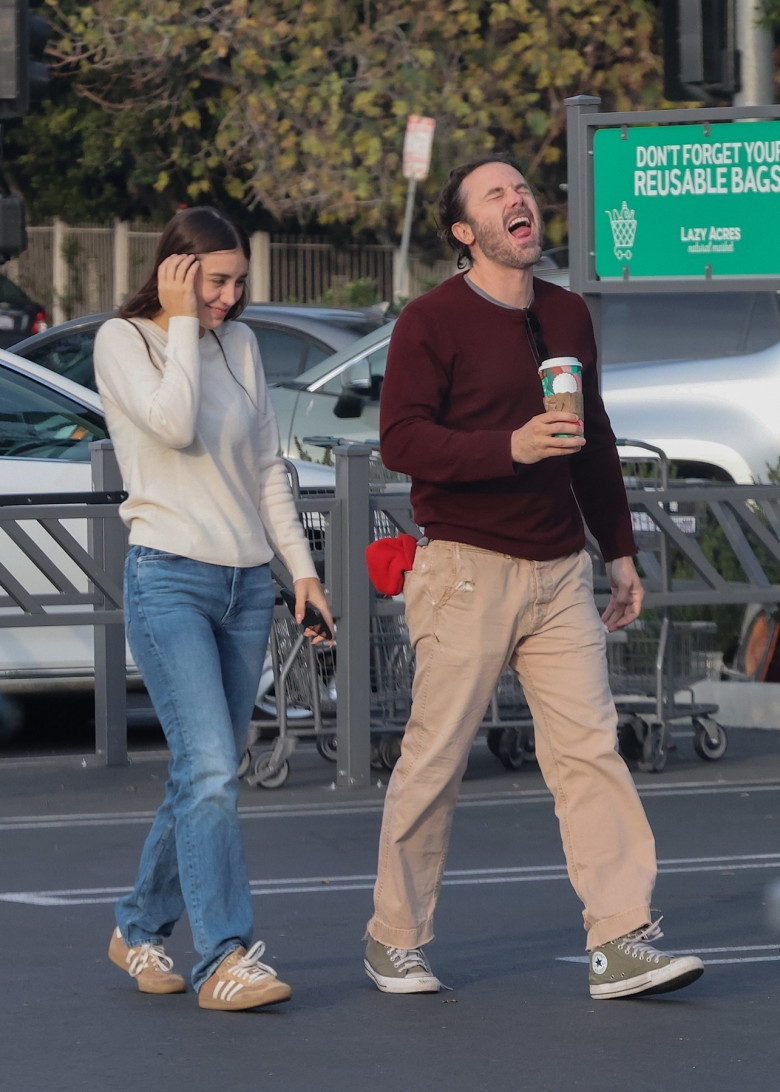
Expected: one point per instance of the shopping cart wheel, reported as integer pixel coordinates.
(703, 743)
(267, 775)
(326, 745)
(511, 748)
(631, 733)
(653, 758)
(494, 740)
(376, 754)
(244, 763)
(390, 750)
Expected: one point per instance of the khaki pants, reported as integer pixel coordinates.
(471, 613)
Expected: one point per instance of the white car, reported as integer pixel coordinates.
(46, 425)
(715, 418)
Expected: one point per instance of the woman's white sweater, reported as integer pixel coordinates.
(197, 444)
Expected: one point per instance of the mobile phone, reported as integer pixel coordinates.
(312, 618)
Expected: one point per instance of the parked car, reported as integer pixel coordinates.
(47, 423)
(715, 418)
(679, 325)
(292, 338)
(20, 316)
(686, 325)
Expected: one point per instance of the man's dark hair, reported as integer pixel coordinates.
(451, 203)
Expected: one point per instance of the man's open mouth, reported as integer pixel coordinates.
(518, 225)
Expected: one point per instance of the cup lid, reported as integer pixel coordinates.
(559, 362)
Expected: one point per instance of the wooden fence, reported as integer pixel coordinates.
(84, 269)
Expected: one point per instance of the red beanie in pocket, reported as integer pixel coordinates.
(388, 559)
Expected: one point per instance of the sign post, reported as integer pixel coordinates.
(418, 143)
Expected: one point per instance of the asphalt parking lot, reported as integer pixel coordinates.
(509, 939)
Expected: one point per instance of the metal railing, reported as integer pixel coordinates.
(667, 517)
(86, 591)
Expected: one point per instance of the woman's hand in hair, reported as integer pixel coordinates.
(176, 277)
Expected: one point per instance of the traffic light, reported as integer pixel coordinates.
(701, 61)
(13, 232)
(23, 74)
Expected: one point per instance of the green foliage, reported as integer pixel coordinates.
(73, 300)
(771, 14)
(363, 292)
(296, 109)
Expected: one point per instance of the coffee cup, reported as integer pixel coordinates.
(561, 378)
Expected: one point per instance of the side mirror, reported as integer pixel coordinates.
(349, 404)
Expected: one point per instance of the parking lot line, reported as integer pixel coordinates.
(365, 881)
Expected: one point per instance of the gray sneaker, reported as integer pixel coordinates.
(631, 965)
(399, 970)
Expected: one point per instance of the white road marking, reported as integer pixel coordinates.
(707, 953)
(337, 808)
(296, 885)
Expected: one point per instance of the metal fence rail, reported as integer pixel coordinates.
(341, 524)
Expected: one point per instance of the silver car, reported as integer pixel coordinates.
(715, 417)
(292, 337)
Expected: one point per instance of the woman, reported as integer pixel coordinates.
(209, 504)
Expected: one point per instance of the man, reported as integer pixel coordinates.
(502, 579)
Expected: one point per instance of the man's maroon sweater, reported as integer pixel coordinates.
(461, 377)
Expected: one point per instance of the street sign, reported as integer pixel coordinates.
(418, 143)
(697, 200)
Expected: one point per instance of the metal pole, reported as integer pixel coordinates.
(579, 155)
(402, 273)
(109, 544)
(754, 46)
(121, 262)
(351, 603)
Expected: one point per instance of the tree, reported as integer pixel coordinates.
(296, 109)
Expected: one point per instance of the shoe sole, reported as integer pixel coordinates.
(276, 997)
(176, 985)
(676, 976)
(421, 983)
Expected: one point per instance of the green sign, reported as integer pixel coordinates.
(688, 200)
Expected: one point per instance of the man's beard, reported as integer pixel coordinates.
(498, 246)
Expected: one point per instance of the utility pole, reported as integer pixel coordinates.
(755, 47)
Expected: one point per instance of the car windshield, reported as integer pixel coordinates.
(39, 423)
(321, 375)
(687, 325)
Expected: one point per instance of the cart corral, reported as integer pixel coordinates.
(653, 664)
(353, 697)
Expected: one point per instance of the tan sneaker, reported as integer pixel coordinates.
(147, 964)
(241, 981)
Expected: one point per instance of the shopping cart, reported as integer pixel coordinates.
(507, 722)
(304, 698)
(653, 664)
(392, 674)
(300, 703)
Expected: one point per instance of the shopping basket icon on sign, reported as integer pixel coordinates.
(623, 225)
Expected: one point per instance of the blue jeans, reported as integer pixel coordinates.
(198, 633)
